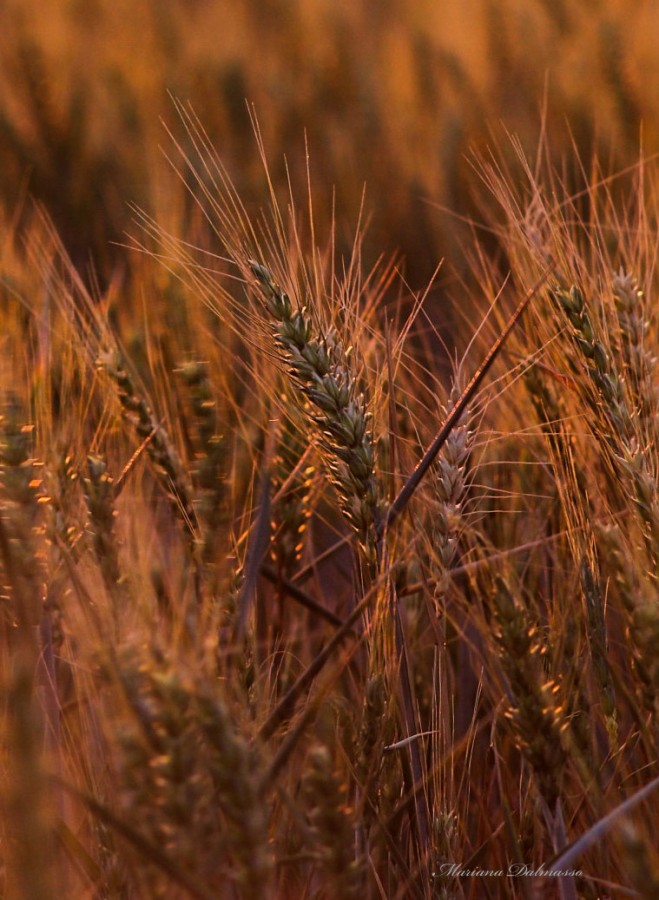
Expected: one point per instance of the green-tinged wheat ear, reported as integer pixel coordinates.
(377, 728)
(634, 324)
(450, 488)
(615, 421)
(64, 492)
(160, 449)
(210, 469)
(331, 821)
(319, 368)
(63, 531)
(189, 779)
(233, 771)
(99, 491)
(578, 706)
(162, 785)
(598, 641)
(291, 483)
(640, 599)
(370, 741)
(644, 631)
(535, 712)
(596, 358)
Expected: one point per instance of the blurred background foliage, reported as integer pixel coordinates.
(391, 94)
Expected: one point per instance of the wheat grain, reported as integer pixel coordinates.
(318, 367)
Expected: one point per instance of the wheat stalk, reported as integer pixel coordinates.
(319, 369)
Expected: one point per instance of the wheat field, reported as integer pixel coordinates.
(329, 467)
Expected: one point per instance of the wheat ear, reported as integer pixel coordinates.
(319, 368)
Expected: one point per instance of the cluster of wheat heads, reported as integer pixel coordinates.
(283, 614)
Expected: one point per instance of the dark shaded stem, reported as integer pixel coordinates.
(300, 596)
(285, 707)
